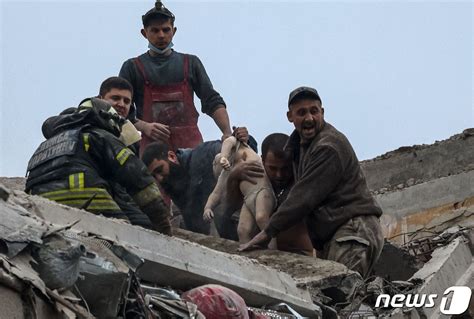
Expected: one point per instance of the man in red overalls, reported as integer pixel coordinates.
(163, 81)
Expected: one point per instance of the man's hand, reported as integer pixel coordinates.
(247, 171)
(225, 136)
(157, 131)
(241, 134)
(259, 240)
(208, 215)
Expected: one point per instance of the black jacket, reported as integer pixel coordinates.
(81, 160)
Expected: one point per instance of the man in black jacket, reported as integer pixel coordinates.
(83, 156)
(330, 191)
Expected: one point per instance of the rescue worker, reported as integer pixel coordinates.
(277, 166)
(86, 151)
(118, 92)
(163, 81)
(330, 191)
(187, 176)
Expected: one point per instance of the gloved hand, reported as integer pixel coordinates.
(159, 216)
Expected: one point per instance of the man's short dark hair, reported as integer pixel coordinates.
(156, 150)
(115, 82)
(157, 18)
(275, 143)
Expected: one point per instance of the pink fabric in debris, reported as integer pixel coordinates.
(217, 302)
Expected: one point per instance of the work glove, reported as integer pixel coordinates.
(159, 215)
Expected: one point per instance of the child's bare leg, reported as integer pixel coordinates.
(264, 204)
(246, 226)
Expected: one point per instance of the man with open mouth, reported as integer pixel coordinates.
(330, 192)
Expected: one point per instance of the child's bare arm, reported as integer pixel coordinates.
(214, 199)
(227, 147)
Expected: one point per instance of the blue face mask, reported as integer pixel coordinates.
(159, 51)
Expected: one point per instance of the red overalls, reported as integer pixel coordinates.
(172, 105)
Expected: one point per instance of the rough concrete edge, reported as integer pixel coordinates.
(444, 190)
(465, 134)
(287, 290)
(446, 267)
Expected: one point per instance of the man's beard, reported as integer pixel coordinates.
(279, 185)
(282, 185)
(176, 182)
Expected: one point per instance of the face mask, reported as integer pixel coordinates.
(159, 51)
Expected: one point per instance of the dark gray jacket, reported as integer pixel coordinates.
(330, 187)
(166, 70)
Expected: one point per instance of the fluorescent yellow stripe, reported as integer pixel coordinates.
(123, 155)
(76, 181)
(76, 196)
(85, 137)
(94, 201)
(81, 180)
(71, 181)
(64, 191)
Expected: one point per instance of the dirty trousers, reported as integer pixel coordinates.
(356, 244)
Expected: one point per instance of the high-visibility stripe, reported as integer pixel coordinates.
(72, 182)
(123, 155)
(76, 181)
(78, 197)
(81, 201)
(87, 193)
(85, 137)
(81, 180)
(88, 189)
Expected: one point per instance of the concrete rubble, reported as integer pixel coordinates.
(424, 188)
(299, 281)
(426, 192)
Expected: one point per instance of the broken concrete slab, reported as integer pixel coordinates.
(17, 275)
(421, 163)
(258, 278)
(13, 183)
(4, 193)
(315, 276)
(18, 228)
(432, 206)
(451, 265)
(435, 193)
(17, 305)
(426, 223)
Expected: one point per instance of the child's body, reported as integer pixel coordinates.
(259, 200)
